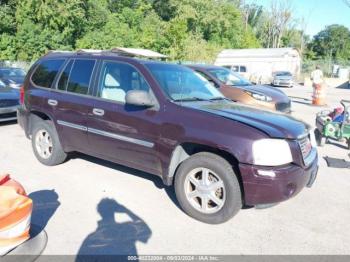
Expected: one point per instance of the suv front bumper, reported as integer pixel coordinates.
(8, 113)
(268, 185)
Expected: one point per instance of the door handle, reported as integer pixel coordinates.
(52, 102)
(98, 112)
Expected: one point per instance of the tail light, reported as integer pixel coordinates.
(21, 95)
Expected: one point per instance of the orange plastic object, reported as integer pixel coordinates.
(15, 213)
(319, 95)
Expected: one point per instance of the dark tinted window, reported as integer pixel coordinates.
(62, 83)
(80, 75)
(243, 69)
(46, 72)
(119, 78)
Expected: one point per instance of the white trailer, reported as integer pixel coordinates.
(259, 64)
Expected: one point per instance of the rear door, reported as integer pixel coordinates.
(72, 100)
(40, 81)
(120, 132)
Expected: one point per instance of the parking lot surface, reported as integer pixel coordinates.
(92, 206)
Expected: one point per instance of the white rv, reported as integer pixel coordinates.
(259, 64)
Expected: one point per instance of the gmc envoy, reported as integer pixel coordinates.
(165, 120)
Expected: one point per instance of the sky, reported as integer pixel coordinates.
(317, 13)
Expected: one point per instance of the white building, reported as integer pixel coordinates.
(259, 64)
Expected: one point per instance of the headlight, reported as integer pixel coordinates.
(259, 96)
(14, 85)
(271, 152)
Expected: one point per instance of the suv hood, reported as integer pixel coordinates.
(276, 125)
(13, 79)
(9, 93)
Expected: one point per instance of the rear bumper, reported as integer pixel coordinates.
(23, 120)
(266, 185)
(8, 113)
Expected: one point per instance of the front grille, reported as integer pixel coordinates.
(305, 146)
(283, 107)
(8, 103)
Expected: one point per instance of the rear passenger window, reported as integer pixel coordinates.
(46, 72)
(79, 77)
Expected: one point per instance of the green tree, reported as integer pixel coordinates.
(332, 42)
(182, 29)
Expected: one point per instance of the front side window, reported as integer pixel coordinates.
(119, 78)
(46, 72)
(79, 77)
(181, 83)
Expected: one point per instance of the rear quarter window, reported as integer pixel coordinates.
(46, 72)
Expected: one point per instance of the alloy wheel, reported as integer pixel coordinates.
(205, 190)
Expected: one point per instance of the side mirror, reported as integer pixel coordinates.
(139, 98)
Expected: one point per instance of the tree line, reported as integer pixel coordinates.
(194, 30)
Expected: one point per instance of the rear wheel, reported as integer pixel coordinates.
(46, 145)
(208, 189)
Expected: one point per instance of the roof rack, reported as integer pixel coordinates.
(59, 51)
(92, 51)
(137, 52)
(120, 51)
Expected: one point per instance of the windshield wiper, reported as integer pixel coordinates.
(189, 99)
(218, 98)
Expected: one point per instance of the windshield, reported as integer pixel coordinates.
(228, 77)
(12, 72)
(181, 83)
(283, 74)
(2, 84)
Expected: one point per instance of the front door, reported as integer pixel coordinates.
(119, 132)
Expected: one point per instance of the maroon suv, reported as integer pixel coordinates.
(166, 120)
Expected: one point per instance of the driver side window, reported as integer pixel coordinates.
(119, 78)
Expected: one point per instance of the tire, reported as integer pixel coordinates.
(219, 171)
(55, 154)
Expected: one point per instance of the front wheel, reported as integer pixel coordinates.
(46, 145)
(207, 188)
